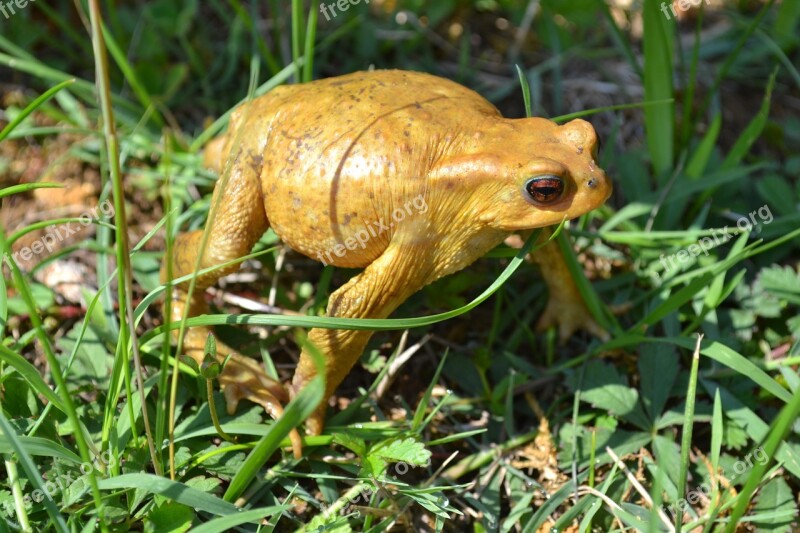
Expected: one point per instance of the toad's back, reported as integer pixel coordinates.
(341, 154)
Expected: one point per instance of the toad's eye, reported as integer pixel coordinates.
(544, 189)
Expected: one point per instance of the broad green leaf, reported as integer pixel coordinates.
(668, 457)
(775, 509)
(783, 282)
(658, 368)
(777, 191)
(408, 450)
(606, 389)
(170, 517)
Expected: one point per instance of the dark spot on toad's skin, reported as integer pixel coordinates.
(580, 150)
(592, 183)
(346, 220)
(256, 162)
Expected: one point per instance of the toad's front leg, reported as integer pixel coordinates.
(374, 293)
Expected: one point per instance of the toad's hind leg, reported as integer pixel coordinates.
(237, 221)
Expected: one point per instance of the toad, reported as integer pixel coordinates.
(331, 165)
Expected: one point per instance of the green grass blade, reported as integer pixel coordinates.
(621, 40)
(753, 130)
(32, 376)
(308, 51)
(30, 108)
(785, 61)
(605, 319)
(127, 334)
(26, 187)
(733, 55)
(40, 446)
(526, 90)
(229, 522)
(659, 120)
(595, 110)
(3, 307)
(419, 415)
(297, 31)
(786, 21)
(688, 426)
(675, 301)
(244, 15)
(222, 121)
(717, 429)
(130, 76)
(697, 163)
(377, 324)
(173, 490)
(55, 370)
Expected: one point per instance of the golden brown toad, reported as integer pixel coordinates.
(409, 176)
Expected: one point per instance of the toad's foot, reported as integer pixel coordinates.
(565, 310)
(569, 314)
(243, 378)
